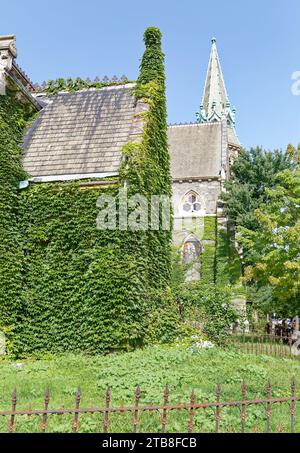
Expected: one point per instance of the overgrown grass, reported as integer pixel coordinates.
(151, 368)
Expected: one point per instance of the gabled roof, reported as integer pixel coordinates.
(82, 133)
(195, 150)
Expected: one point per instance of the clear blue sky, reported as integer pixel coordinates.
(258, 42)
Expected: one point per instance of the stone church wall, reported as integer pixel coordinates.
(209, 192)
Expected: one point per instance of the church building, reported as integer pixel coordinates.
(106, 289)
(79, 136)
(201, 154)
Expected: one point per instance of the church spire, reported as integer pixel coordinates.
(215, 101)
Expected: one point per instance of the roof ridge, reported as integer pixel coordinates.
(85, 90)
(191, 124)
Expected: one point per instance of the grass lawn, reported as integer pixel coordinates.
(151, 368)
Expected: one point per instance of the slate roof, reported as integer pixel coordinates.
(233, 138)
(82, 132)
(195, 150)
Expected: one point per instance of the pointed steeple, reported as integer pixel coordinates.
(215, 101)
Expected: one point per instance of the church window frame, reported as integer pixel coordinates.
(192, 204)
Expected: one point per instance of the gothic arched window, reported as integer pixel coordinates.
(191, 203)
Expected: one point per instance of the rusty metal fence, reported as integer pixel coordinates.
(276, 345)
(190, 410)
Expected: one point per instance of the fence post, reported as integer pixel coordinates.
(218, 410)
(75, 423)
(247, 348)
(12, 426)
(136, 409)
(165, 412)
(293, 389)
(268, 407)
(243, 413)
(192, 412)
(106, 416)
(45, 415)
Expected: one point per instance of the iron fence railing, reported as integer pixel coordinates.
(276, 345)
(191, 410)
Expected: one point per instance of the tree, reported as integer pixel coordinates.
(251, 174)
(273, 247)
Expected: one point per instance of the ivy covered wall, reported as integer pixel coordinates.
(220, 262)
(82, 289)
(64, 284)
(85, 289)
(228, 264)
(13, 119)
(208, 257)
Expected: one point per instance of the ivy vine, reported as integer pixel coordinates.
(72, 85)
(76, 288)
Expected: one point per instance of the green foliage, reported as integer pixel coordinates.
(163, 320)
(152, 65)
(275, 252)
(208, 256)
(152, 368)
(84, 289)
(207, 260)
(13, 119)
(251, 174)
(208, 264)
(228, 263)
(210, 228)
(205, 303)
(261, 301)
(293, 154)
(71, 85)
(211, 306)
(254, 175)
(147, 164)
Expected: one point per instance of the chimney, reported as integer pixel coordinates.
(8, 52)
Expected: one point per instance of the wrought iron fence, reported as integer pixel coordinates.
(276, 345)
(191, 409)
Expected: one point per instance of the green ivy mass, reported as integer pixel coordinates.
(74, 287)
(13, 119)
